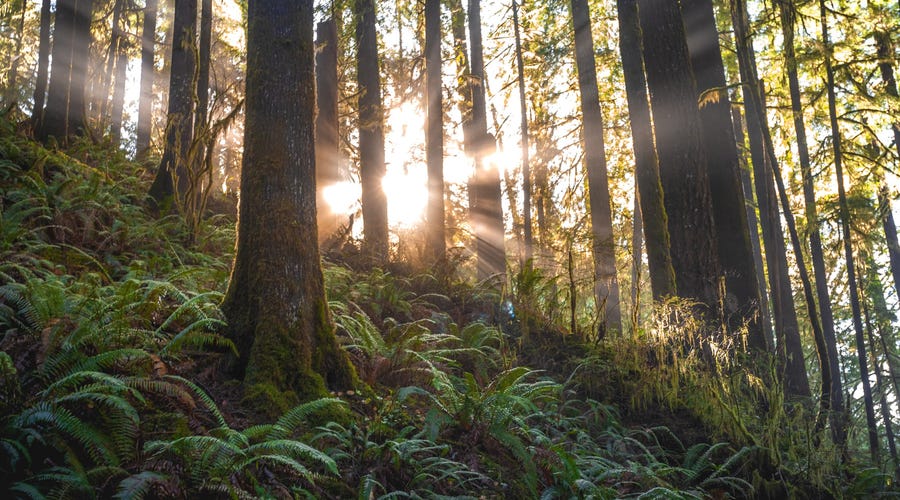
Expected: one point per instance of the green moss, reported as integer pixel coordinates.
(269, 400)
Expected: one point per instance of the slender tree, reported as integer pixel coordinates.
(606, 284)
(275, 304)
(40, 86)
(765, 167)
(885, 52)
(371, 133)
(523, 127)
(205, 53)
(328, 147)
(682, 158)
(117, 107)
(646, 164)
(101, 109)
(434, 132)
(844, 212)
(485, 195)
(741, 300)
(148, 73)
(172, 173)
(752, 222)
(13, 74)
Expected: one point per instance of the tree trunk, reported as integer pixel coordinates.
(54, 122)
(812, 217)
(275, 304)
(328, 147)
(682, 158)
(646, 164)
(526, 166)
(101, 111)
(371, 134)
(753, 225)
(40, 87)
(13, 73)
(118, 97)
(874, 445)
(81, 54)
(486, 210)
(885, 52)
(205, 53)
(434, 132)
(148, 72)
(172, 174)
(606, 284)
(741, 300)
(637, 243)
(789, 348)
(881, 389)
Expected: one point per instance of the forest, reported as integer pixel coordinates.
(449, 249)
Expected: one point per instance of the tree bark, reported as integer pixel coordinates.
(64, 113)
(486, 210)
(872, 424)
(787, 14)
(371, 134)
(205, 53)
(118, 96)
(101, 111)
(741, 300)
(434, 132)
(753, 225)
(275, 304)
(328, 147)
(148, 73)
(682, 158)
(646, 164)
(885, 53)
(606, 284)
(40, 87)
(172, 173)
(13, 74)
(526, 165)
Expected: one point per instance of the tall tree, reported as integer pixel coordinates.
(788, 20)
(117, 107)
(148, 73)
(275, 304)
(485, 195)
(434, 132)
(371, 133)
(526, 164)
(766, 169)
(112, 58)
(885, 59)
(171, 175)
(40, 86)
(844, 213)
(328, 147)
(682, 158)
(646, 163)
(606, 284)
(752, 222)
(742, 298)
(204, 52)
(64, 113)
(13, 73)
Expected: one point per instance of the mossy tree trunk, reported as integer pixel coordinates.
(275, 304)
(646, 163)
(606, 283)
(682, 157)
(741, 301)
(171, 175)
(885, 51)
(371, 133)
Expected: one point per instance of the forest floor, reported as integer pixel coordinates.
(110, 383)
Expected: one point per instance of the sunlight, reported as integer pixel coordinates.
(342, 197)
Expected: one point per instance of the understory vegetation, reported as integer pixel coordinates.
(111, 342)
